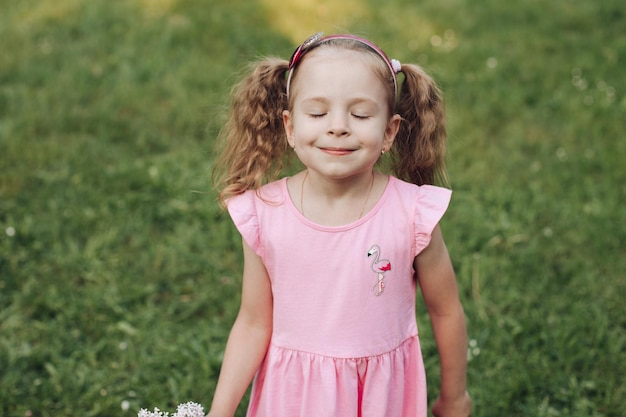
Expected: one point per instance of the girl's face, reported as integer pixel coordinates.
(340, 118)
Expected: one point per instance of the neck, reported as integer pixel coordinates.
(336, 202)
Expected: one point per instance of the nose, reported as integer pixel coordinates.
(339, 125)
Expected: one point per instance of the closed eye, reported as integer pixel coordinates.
(317, 115)
(360, 116)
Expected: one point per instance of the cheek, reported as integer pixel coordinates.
(303, 128)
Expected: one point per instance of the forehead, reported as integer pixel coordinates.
(339, 70)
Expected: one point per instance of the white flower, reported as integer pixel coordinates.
(189, 409)
(156, 413)
(473, 350)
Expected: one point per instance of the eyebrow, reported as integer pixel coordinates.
(358, 100)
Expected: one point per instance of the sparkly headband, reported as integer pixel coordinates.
(393, 64)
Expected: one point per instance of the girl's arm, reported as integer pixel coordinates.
(439, 288)
(249, 337)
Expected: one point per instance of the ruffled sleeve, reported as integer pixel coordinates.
(242, 209)
(432, 203)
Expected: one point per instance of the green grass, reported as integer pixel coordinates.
(119, 275)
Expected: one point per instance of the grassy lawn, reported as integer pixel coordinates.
(119, 275)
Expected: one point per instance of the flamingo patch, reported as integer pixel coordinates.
(380, 267)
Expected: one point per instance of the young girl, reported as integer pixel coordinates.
(333, 254)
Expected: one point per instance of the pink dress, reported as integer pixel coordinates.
(344, 339)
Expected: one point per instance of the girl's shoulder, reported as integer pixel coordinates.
(424, 205)
(422, 194)
(246, 210)
(273, 193)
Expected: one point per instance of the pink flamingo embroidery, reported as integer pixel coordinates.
(379, 266)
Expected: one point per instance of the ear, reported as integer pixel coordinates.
(288, 125)
(391, 130)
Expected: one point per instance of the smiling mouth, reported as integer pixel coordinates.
(337, 151)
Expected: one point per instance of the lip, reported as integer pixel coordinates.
(337, 151)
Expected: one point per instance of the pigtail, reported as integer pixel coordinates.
(419, 149)
(253, 141)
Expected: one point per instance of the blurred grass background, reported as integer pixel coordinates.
(119, 275)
